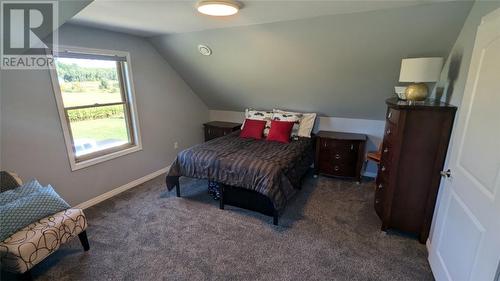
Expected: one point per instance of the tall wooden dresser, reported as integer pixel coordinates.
(413, 154)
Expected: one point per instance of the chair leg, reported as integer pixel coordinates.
(26, 276)
(178, 190)
(84, 240)
(275, 217)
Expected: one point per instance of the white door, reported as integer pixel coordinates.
(465, 244)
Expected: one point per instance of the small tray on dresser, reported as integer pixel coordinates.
(340, 154)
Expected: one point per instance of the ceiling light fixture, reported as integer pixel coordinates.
(218, 8)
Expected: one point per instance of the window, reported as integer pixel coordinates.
(95, 98)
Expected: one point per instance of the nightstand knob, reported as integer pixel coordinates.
(377, 201)
(389, 115)
(336, 168)
(380, 186)
(388, 132)
(337, 156)
(386, 150)
(383, 169)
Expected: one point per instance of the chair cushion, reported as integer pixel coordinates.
(27, 209)
(30, 245)
(19, 192)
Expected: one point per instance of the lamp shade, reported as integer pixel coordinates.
(421, 70)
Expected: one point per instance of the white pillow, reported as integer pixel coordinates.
(259, 115)
(306, 123)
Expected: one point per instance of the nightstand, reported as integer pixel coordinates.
(217, 129)
(340, 154)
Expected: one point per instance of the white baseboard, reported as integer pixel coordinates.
(120, 189)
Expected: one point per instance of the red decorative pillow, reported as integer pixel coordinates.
(280, 131)
(253, 129)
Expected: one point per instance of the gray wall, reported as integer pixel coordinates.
(456, 68)
(32, 139)
(339, 65)
(454, 76)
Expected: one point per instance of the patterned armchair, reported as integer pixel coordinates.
(33, 243)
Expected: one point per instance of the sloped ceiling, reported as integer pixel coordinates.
(341, 65)
(68, 9)
(159, 17)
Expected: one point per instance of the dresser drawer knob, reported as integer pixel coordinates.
(377, 201)
(388, 132)
(386, 150)
(380, 186)
(336, 168)
(383, 169)
(337, 156)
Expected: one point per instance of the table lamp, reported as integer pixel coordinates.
(418, 71)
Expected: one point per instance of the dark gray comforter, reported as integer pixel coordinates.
(270, 168)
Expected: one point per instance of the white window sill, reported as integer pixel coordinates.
(83, 164)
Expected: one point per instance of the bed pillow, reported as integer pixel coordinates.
(289, 117)
(306, 123)
(28, 209)
(259, 115)
(253, 129)
(280, 131)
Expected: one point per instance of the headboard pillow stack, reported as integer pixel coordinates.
(304, 122)
(259, 115)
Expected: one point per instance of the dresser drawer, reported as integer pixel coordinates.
(392, 116)
(379, 202)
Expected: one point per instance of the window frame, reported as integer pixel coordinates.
(128, 101)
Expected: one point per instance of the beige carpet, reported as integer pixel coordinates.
(329, 231)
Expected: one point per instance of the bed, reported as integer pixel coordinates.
(253, 174)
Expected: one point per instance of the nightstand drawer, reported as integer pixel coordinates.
(340, 146)
(340, 156)
(337, 169)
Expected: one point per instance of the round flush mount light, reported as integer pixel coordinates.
(218, 8)
(204, 50)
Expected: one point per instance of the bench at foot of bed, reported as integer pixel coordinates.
(243, 198)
